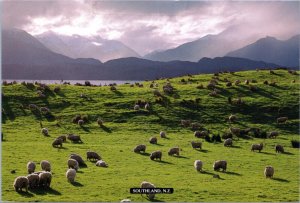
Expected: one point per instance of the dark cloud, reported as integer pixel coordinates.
(150, 25)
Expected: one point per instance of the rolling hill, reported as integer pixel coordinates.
(124, 128)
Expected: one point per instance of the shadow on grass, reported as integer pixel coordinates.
(281, 180)
(288, 153)
(77, 184)
(181, 157)
(106, 129)
(158, 144)
(206, 172)
(85, 129)
(164, 162)
(79, 172)
(59, 148)
(166, 138)
(118, 93)
(44, 191)
(156, 200)
(233, 173)
(234, 146)
(144, 154)
(25, 194)
(267, 153)
(202, 150)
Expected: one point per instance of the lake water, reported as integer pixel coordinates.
(94, 82)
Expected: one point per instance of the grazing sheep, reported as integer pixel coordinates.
(198, 165)
(163, 134)
(63, 138)
(45, 110)
(269, 172)
(213, 93)
(101, 163)
(174, 150)
(200, 134)
(136, 107)
(31, 167)
(57, 142)
(45, 179)
(232, 118)
(74, 138)
(228, 84)
(140, 148)
(185, 123)
(247, 82)
(56, 89)
(45, 165)
(113, 88)
(235, 131)
(32, 107)
(266, 82)
(78, 159)
(45, 131)
(100, 122)
(279, 149)
(228, 142)
(153, 140)
(72, 163)
(273, 134)
(33, 180)
(156, 155)
(80, 122)
(71, 174)
(92, 156)
(147, 106)
(147, 185)
(282, 119)
(196, 145)
(258, 147)
(20, 183)
(237, 82)
(220, 164)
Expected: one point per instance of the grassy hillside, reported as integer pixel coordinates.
(124, 128)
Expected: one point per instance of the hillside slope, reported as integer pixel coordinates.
(124, 128)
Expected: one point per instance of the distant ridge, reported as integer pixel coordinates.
(24, 57)
(270, 49)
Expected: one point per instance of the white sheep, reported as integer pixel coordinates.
(163, 134)
(136, 107)
(20, 183)
(45, 179)
(45, 131)
(269, 172)
(228, 142)
(101, 163)
(282, 119)
(31, 167)
(198, 165)
(33, 180)
(72, 163)
(45, 165)
(220, 164)
(149, 185)
(71, 174)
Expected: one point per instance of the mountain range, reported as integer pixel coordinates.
(77, 46)
(25, 57)
(270, 49)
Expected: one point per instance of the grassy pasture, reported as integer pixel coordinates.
(124, 128)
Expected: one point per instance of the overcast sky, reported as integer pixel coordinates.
(146, 26)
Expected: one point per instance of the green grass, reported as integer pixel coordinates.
(125, 128)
